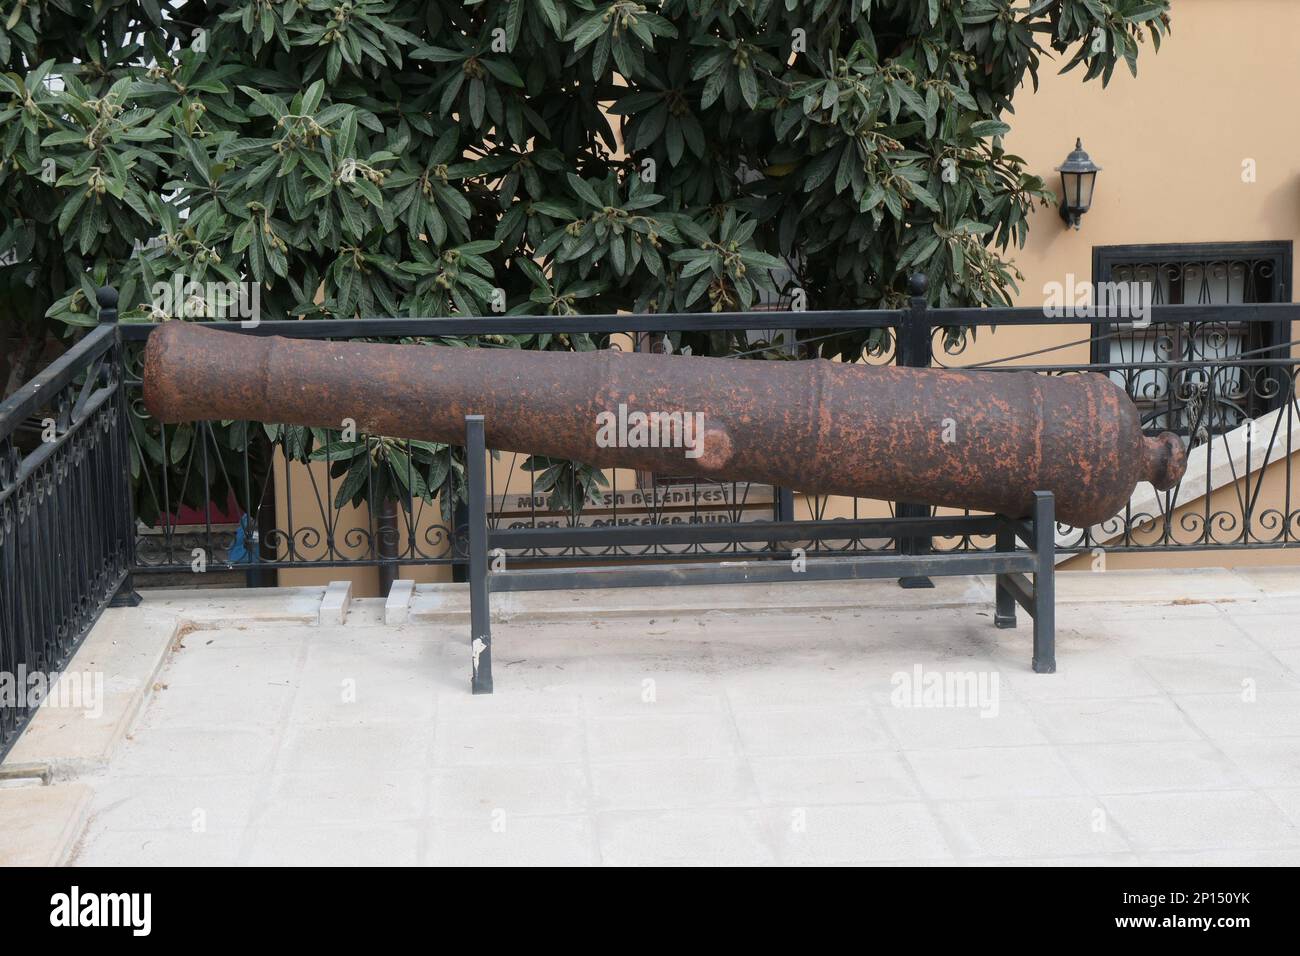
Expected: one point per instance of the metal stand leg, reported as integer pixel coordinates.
(1045, 583)
(480, 621)
(913, 545)
(459, 519)
(782, 510)
(1005, 613)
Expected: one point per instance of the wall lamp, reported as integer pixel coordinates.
(1078, 177)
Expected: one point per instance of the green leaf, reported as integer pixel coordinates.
(584, 191)
(477, 101)
(269, 105)
(989, 128)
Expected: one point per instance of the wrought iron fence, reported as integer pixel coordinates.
(236, 495)
(66, 527)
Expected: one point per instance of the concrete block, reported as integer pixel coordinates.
(334, 603)
(397, 609)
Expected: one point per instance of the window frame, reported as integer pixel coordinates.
(1278, 253)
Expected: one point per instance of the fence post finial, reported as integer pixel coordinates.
(106, 296)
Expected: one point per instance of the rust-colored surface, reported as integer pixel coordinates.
(979, 440)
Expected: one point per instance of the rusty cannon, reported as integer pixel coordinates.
(979, 440)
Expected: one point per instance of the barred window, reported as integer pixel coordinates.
(1190, 398)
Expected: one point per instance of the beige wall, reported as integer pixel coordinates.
(1171, 143)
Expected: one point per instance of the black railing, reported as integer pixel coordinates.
(66, 528)
(215, 490)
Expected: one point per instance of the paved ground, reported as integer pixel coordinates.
(882, 734)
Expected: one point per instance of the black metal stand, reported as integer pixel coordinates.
(1038, 598)
(913, 546)
(1012, 567)
(480, 620)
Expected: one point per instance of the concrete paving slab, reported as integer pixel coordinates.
(1225, 716)
(342, 799)
(112, 671)
(207, 804)
(1187, 630)
(1213, 820)
(157, 848)
(695, 837)
(177, 751)
(660, 736)
(1221, 672)
(379, 845)
(1288, 801)
(1273, 631)
(1212, 858)
(998, 723)
(40, 824)
(1276, 582)
(1153, 767)
(1006, 829)
(1112, 720)
(985, 773)
(876, 776)
(673, 784)
(497, 740)
(1265, 761)
(1162, 586)
(871, 833)
(750, 725)
(508, 840)
(477, 791)
(812, 730)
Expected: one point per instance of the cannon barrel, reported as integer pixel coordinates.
(982, 440)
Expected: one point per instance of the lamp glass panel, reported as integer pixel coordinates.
(1070, 189)
(1086, 183)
